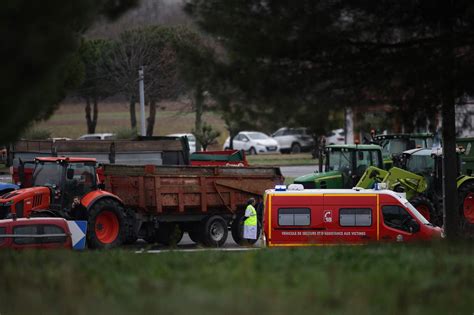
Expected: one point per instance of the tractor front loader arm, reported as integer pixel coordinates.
(371, 176)
(397, 179)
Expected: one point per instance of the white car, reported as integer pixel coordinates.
(336, 136)
(191, 140)
(293, 140)
(97, 136)
(253, 142)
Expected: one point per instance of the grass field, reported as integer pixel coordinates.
(69, 120)
(389, 279)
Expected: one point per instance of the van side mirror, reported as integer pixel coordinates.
(70, 174)
(413, 226)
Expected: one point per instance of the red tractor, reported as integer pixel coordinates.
(69, 188)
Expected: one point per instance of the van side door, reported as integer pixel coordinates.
(350, 218)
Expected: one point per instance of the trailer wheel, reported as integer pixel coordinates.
(215, 231)
(427, 209)
(106, 226)
(195, 236)
(237, 230)
(169, 234)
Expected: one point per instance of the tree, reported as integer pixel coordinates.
(197, 62)
(413, 54)
(206, 136)
(93, 88)
(153, 49)
(38, 55)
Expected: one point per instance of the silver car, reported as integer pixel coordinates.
(293, 140)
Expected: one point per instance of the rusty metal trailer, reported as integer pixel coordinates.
(201, 200)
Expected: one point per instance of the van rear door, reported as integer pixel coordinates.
(295, 220)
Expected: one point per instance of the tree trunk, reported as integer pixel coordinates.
(151, 119)
(133, 114)
(451, 215)
(91, 115)
(198, 103)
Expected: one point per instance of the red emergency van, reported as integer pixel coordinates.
(341, 216)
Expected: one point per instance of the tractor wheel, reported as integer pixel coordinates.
(237, 230)
(427, 209)
(215, 231)
(169, 234)
(296, 148)
(107, 227)
(466, 207)
(131, 231)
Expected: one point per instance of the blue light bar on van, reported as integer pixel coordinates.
(280, 187)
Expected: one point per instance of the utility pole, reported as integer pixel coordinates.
(141, 89)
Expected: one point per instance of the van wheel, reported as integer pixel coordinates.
(106, 225)
(215, 231)
(237, 230)
(426, 207)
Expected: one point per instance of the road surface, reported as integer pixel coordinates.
(296, 171)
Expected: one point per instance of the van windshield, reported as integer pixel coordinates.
(416, 213)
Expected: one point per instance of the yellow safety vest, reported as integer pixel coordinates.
(252, 219)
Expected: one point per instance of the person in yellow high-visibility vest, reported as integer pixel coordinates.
(250, 223)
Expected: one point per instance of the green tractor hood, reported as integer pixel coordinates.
(332, 179)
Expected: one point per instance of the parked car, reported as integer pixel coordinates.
(97, 136)
(293, 140)
(35, 233)
(253, 142)
(191, 140)
(336, 136)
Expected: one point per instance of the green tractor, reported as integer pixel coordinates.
(343, 167)
(421, 180)
(393, 145)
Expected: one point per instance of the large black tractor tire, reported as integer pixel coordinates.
(427, 208)
(107, 225)
(169, 234)
(237, 230)
(131, 227)
(215, 231)
(466, 209)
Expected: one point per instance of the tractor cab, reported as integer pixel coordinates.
(429, 164)
(66, 177)
(393, 146)
(343, 167)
